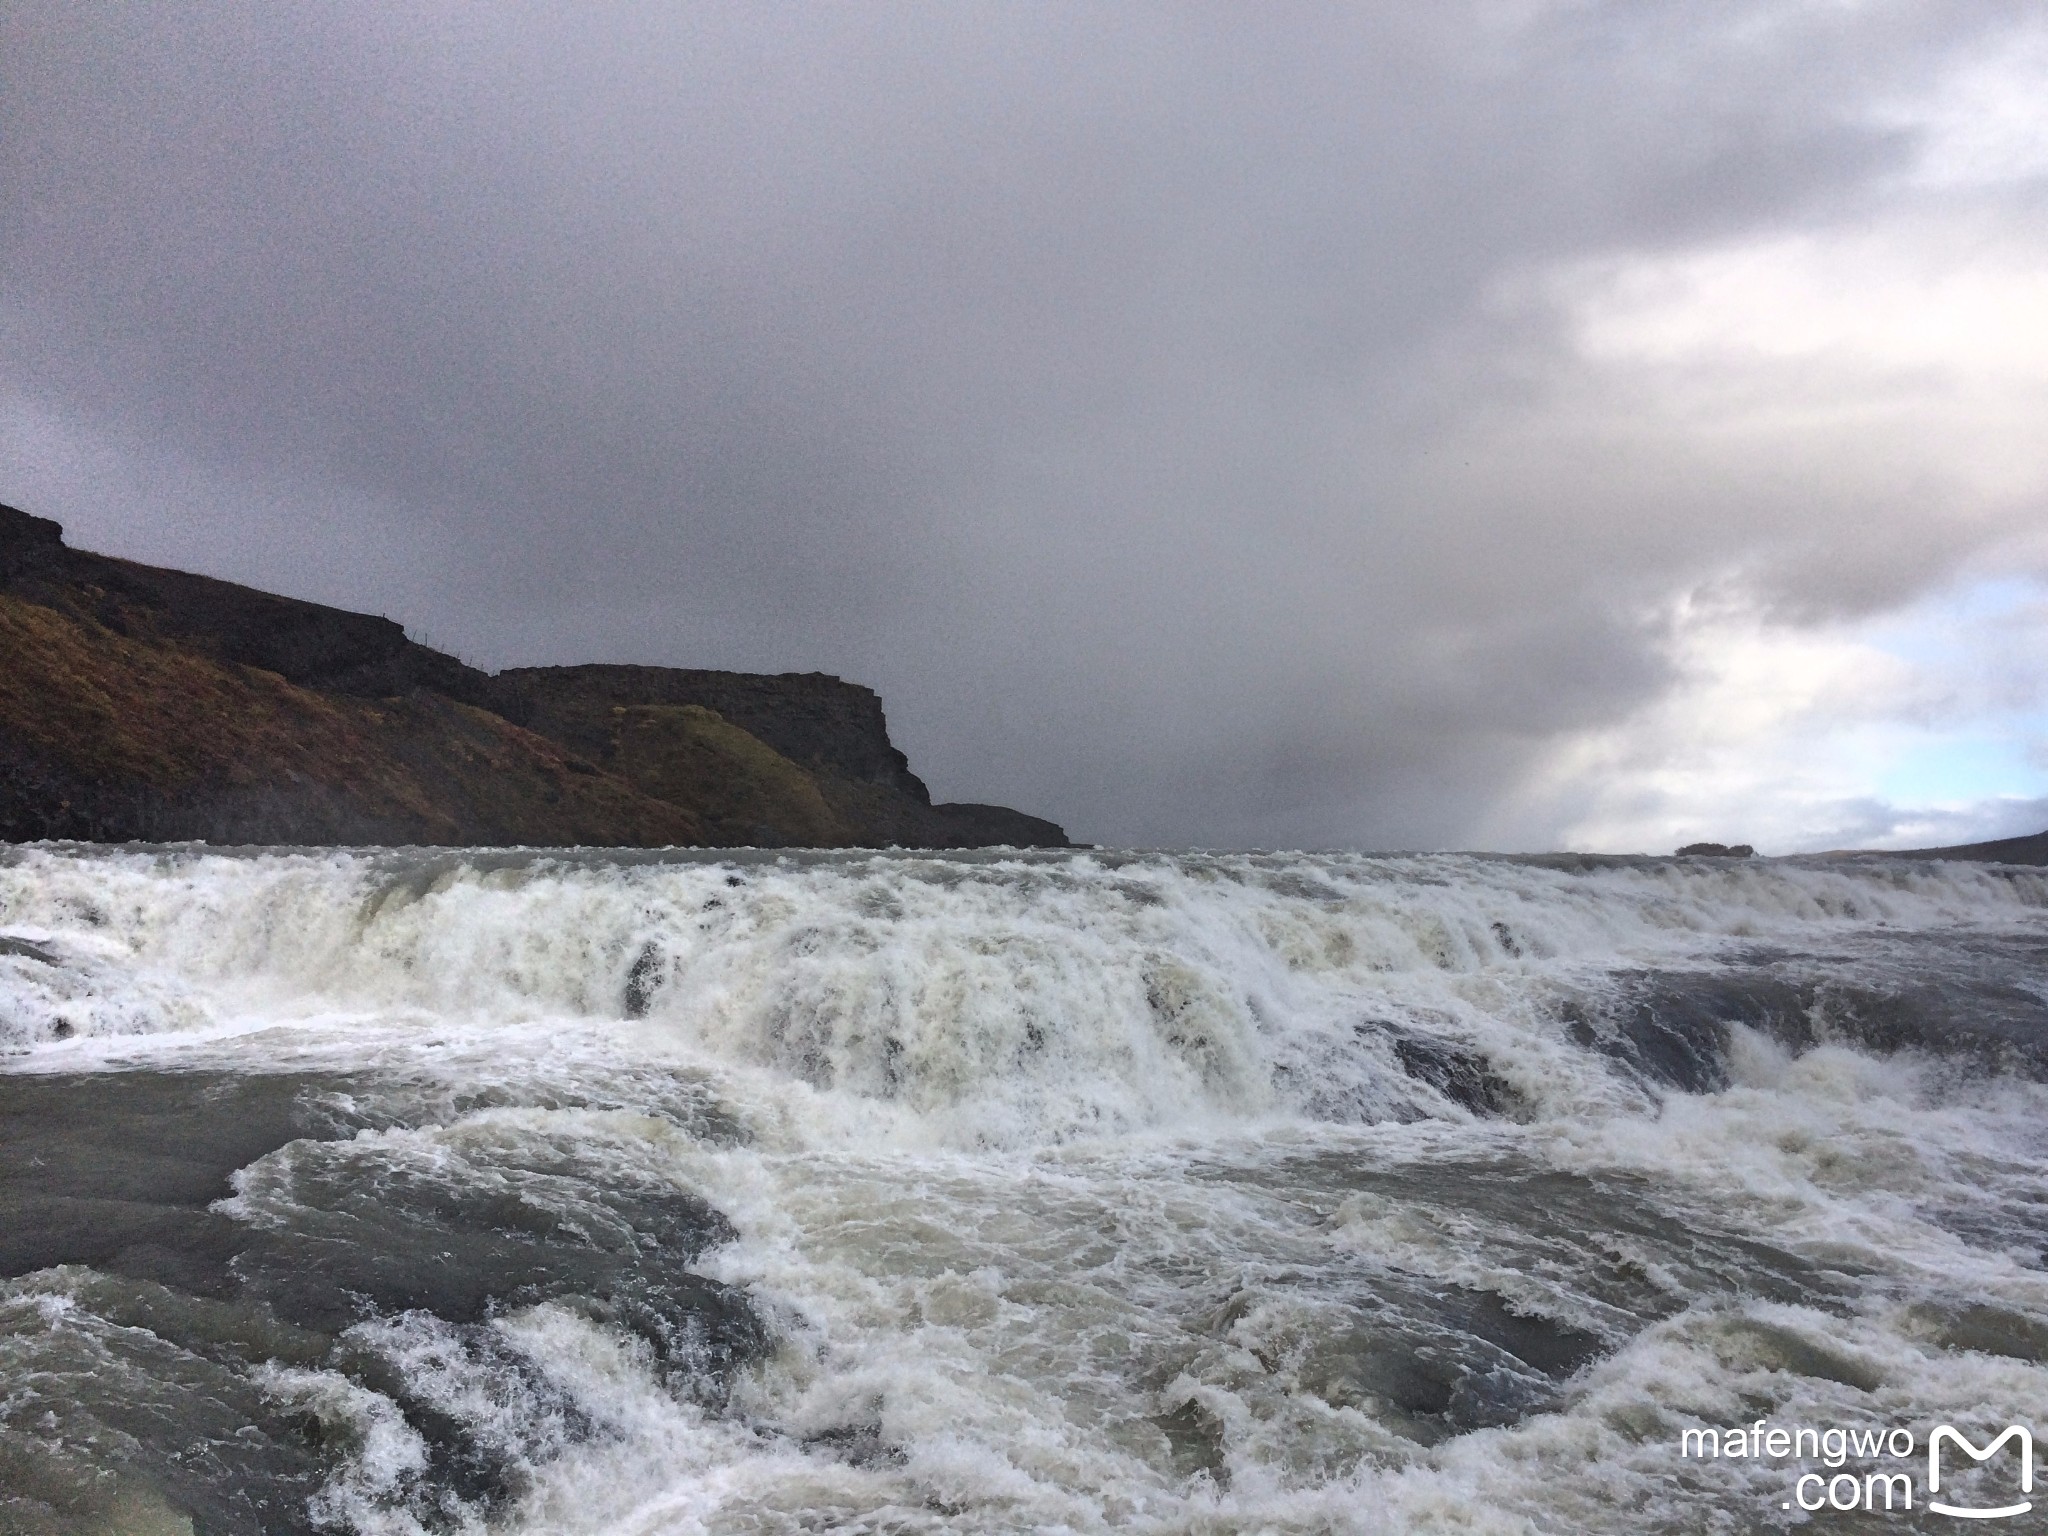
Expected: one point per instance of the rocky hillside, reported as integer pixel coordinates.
(668, 732)
(139, 703)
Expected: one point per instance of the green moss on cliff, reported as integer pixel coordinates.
(743, 790)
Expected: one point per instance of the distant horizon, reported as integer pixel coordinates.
(415, 635)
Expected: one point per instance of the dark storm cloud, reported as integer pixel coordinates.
(1100, 383)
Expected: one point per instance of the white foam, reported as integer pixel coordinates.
(1062, 1177)
(982, 1001)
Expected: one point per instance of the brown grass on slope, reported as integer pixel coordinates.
(149, 739)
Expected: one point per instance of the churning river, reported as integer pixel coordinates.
(706, 1192)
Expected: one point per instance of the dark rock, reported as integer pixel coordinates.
(1982, 1019)
(1196, 1438)
(1716, 851)
(1464, 1077)
(815, 720)
(1672, 1026)
(981, 826)
(859, 1445)
(10, 945)
(27, 543)
(1446, 1358)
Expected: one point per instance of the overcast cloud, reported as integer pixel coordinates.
(1516, 424)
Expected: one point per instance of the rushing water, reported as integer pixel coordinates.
(387, 1191)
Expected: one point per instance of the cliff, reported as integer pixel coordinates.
(834, 731)
(140, 703)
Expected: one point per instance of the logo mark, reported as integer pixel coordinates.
(2012, 1432)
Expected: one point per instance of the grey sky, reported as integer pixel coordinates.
(1224, 425)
